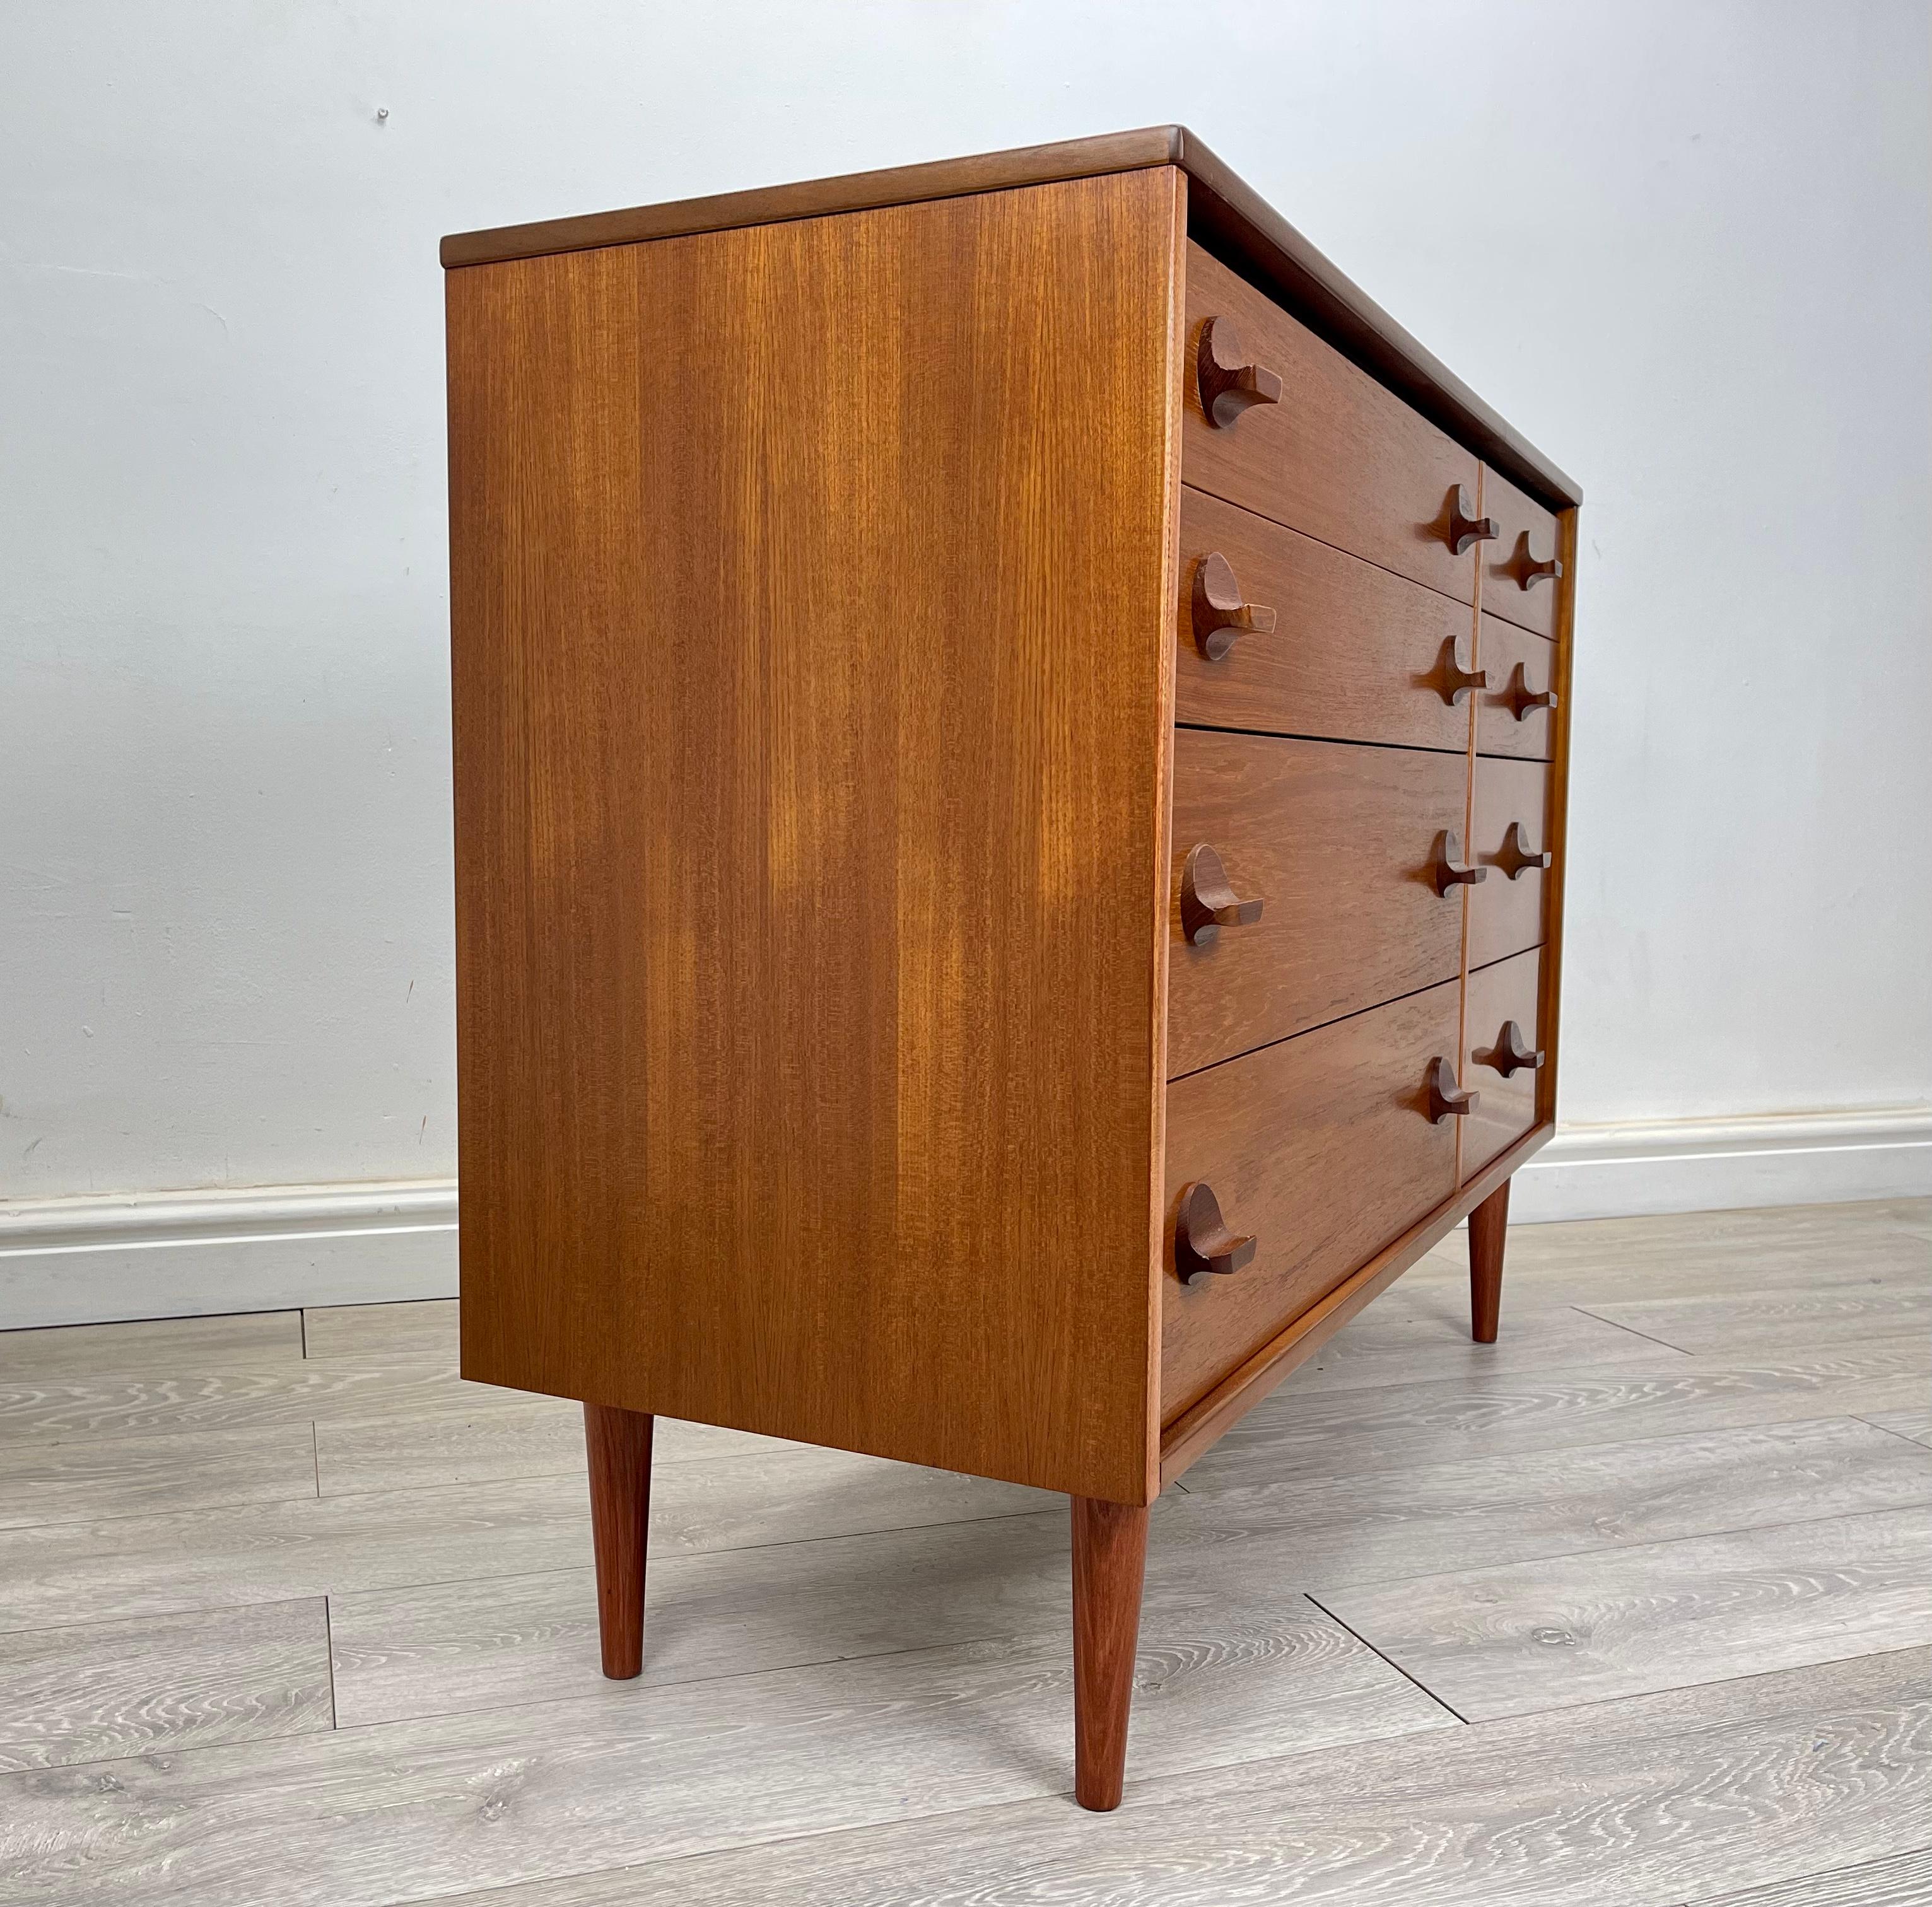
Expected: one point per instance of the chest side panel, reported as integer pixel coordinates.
(809, 635)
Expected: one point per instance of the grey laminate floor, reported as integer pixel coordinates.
(1631, 1609)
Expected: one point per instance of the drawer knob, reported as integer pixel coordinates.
(1203, 1244)
(1527, 570)
(1522, 698)
(1451, 869)
(1207, 902)
(1229, 383)
(1455, 681)
(1510, 1055)
(1464, 528)
(1447, 1100)
(1516, 855)
(1220, 616)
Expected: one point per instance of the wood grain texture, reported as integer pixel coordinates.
(1517, 664)
(422, 1331)
(99, 1691)
(1489, 1233)
(92, 1478)
(1365, 1163)
(1340, 844)
(1507, 916)
(1550, 1634)
(1250, 1382)
(1226, 214)
(1287, 461)
(1243, 1540)
(1557, 839)
(1305, 1529)
(366, 1817)
(1916, 1425)
(1527, 534)
(1696, 1790)
(890, 186)
(449, 1647)
(128, 1403)
(543, 1437)
(1711, 1326)
(1109, 1559)
(1407, 1337)
(1474, 1415)
(1868, 1246)
(197, 1343)
(1900, 1880)
(1702, 1792)
(1509, 991)
(1356, 654)
(82, 1571)
(618, 1447)
(838, 961)
(155, 1566)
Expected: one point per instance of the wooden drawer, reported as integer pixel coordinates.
(1353, 652)
(1322, 1149)
(1510, 718)
(1518, 583)
(1502, 1056)
(1337, 456)
(1511, 821)
(1340, 845)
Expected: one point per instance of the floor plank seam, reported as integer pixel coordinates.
(1463, 1719)
(328, 1659)
(642, 1686)
(160, 1615)
(1618, 1324)
(1776, 1888)
(1903, 1436)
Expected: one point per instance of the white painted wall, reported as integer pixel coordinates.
(1687, 247)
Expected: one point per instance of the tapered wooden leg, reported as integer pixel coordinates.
(619, 1446)
(1109, 1558)
(1487, 1224)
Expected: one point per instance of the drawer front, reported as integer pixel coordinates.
(1336, 456)
(1321, 1149)
(1340, 845)
(1502, 1057)
(1519, 583)
(1511, 717)
(1341, 648)
(1509, 829)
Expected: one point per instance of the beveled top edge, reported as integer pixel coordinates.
(849, 192)
(1225, 213)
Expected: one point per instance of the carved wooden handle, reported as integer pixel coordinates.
(1447, 1100)
(1451, 869)
(1220, 616)
(1528, 572)
(1455, 681)
(1202, 1242)
(1464, 528)
(1207, 902)
(1510, 1055)
(1229, 383)
(1523, 698)
(1515, 853)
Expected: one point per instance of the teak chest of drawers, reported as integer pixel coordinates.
(1009, 752)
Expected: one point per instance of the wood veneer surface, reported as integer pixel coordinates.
(799, 745)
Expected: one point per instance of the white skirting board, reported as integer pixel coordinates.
(1724, 1164)
(174, 1255)
(182, 1255)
